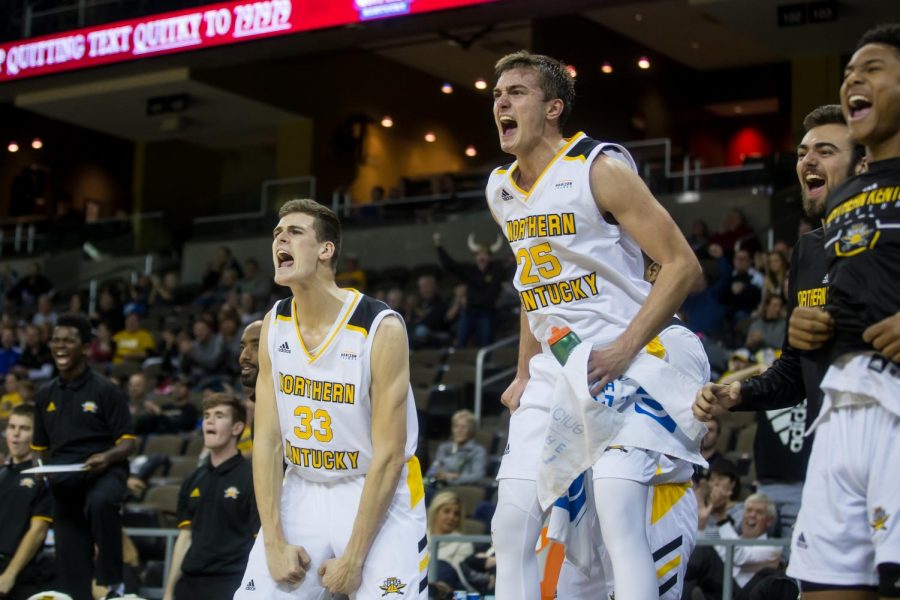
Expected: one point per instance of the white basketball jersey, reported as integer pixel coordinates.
(574, 267)
(323, 396)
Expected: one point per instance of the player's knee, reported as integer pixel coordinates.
(889, 580)
(509, 527)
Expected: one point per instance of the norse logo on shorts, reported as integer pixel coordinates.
(879, 518)
(391, 585)
(232, 493)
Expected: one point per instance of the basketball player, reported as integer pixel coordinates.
(577, 217)
(333, 401)
(846, 543)
(826, 156)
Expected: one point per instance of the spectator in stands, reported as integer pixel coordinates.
(257, 285)
(165, 291)
(217, 512)
(483, 286)
(752, 564)
(203, 358)
(220, 293)
(352, 274)
(230, 333)
(709, 448)
(102, 349)
(11, 397)
(9, 354)
(35, 355)
(144, 409)
(736, 234)
(76, 304)
(174, 414)
(134, 343)
(222, 261)
(427, 319)
(109, 310)
(26, 291)
(717, 497)
(445, 518)
(25, 512)
(768, 329)
(699, 237)
(743, 296)
(45, 314)
(173, 340)
(776, 275)
(461, 460)
(394, 298)
(139, 291)
(247, 309)
(704, 308)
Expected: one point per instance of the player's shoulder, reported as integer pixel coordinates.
(367, 311)
(501, 170)
(283, 308)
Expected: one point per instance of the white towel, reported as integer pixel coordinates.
(573, 523)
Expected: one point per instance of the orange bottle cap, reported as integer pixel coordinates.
(558, 333)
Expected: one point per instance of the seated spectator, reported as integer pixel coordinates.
(203, 358)
(222, 261)
(24, 512)
(45, 314)
(704, 308)
(768, 329)
(743, 296)
(139, 291)
(173, 340)
(9, 354)
(709, 449)
(11, 397)
(247, 309)
(776, 275)
(165, 290)
(76, 304)
(217, 512)
(35, 354)
(102, 348)
(134, 343)
(445, 518)
(699, 238)
(254, 283)
(25, 292)
(171, 414)
(230, 333)
(109, 310)
(752, 564)
(736, 234)
(460, 460)
(426, 321)
(144, 409)
(716, 497)
(352, 274)
(394, 298)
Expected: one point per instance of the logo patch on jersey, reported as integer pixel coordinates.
(565, 184)
(879, 519)
(505, 196)
(51, 407)
(232, 493)
(825, 279)
(392, 585)
(789, 425)
(856, 239)
(349, 355)
(89, 407)
(284, 348)
(250, 587)
(26, 482)
(195, 493)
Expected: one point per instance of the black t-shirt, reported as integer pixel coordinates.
(780, 450)
(862, 244)
(218, 505)
(22, 498)
(78, 418)
(180, 418)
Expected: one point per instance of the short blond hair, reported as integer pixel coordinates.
(556, 80)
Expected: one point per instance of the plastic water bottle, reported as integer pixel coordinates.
(562, 343)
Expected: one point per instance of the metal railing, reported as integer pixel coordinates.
(728, 563)
(480, 381)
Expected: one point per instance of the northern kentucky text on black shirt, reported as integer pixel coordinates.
(81, 417)
(862, 244)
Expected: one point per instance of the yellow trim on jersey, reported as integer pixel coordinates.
(343, 321)
(184, 524)
(569, 142)
(580, 157)
(500, 171)
(414, 481)
(126, 436)
(42, 518)
(365, 332)
(37, 448)
(666, 496)
(423, 564)
(668, 566)
(282, 318)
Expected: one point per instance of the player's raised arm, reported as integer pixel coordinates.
(389, 392)
(618, 190)
(287, 564)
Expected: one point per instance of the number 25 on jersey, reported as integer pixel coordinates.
(537, 261)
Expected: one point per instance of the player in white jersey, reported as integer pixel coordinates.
(333, 403)
(577, 217)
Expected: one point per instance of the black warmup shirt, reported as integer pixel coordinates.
(780, 450)
(862, 243)
(22, 498)
(218, 505)
(78, 418)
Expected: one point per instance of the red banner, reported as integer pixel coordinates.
(191, 29)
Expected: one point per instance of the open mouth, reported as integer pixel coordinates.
(63, 359)
(508, 126)
(284, 259)
(814, 183)
(859, 106)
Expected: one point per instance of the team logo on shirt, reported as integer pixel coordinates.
(89, 407)
(27, 482)
(51, 407)
(195, 493)
(392, 585)
(856, 239)
(879, 519)
(232, 493)
(565, 184)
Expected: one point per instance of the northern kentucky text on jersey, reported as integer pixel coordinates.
(560, 292)
(869, 198)
(552, 225)
(313, 458)
(320, 391)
